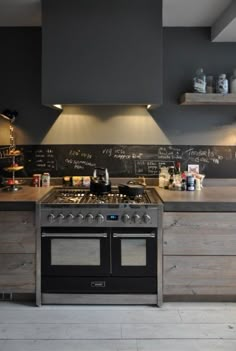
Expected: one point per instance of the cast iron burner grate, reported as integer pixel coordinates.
(75, 196)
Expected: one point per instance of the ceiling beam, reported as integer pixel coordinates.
(224, 29)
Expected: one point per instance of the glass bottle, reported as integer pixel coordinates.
(222, 86)
(233, 82)
(199, 81)
(210, 84)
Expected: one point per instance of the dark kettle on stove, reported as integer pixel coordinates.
(100, 183)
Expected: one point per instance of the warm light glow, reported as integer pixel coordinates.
(4, 116)
(105, 125)
(58, 106)
(149, 106)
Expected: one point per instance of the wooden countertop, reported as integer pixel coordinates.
(212, 199)
(23, 199)
(220, 199)
(25, 194)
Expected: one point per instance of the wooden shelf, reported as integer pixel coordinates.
(207, 99)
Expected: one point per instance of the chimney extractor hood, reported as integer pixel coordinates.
(105, 52)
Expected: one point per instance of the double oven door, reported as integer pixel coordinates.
(104, 260)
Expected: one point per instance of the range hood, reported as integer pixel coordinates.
(102, 52)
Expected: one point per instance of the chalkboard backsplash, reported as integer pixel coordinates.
(124, 160)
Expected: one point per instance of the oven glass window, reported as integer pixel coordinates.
(75, 252)
(133, 252)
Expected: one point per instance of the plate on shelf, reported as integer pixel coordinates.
(13, 168)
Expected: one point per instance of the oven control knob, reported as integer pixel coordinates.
(136, 218)
(89, 218)
(99, 218)
(146, 218)
(51, 218)
(60, 218)
(80, 218)
(70, 217)
(125, 218)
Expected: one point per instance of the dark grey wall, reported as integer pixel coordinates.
(20, 83)
(102, 52)
(185, 50)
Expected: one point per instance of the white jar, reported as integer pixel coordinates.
(222, 84)
(233, 83)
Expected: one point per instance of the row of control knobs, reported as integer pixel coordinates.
(99, 218)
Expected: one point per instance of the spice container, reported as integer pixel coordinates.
(222, 86)
(190, 183)
(199, 81)
(36, 181)
(233, 83)
(46, 179)
(210, 84)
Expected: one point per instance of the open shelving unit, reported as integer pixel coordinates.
(11, 153)
(207, 99)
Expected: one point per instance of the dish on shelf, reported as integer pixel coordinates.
(14, 152)
(13, 168)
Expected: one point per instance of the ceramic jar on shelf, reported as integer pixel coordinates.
(222, 85)
(233, 82)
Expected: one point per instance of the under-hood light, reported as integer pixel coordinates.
(58, 106)
(149, 106)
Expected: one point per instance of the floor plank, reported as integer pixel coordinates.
(59, 331)
(68, 345)
(174, 327)
(208, 316)
(186, 345)
(65, 316)
(178, 331)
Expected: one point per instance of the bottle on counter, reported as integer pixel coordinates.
(183, 185)
(46, 179)
(36, 180)
(199, 81)
(222, 85)
(190, 183)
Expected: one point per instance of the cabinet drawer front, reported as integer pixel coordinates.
(18, 232)
(199, 275)
(17, 221)
(17, 264)
(17, 283)
(18, 242)
(207, 242)
(199, 234)
(199, 219)
(17, 273)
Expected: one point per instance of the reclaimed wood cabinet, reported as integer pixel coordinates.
(199, 254)
(17, 252)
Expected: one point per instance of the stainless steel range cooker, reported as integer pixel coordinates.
(99, 248)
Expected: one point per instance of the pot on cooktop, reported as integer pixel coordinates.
(131, 189)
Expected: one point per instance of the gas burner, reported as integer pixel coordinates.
(83, 196)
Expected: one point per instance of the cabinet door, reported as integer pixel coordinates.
(205, 233)
(17, 251)
(199, 254)
(17, 273)
(200, 275)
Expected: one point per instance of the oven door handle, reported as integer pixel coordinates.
(134, 235)
(74, 235)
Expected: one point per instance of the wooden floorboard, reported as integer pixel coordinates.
(174, 327)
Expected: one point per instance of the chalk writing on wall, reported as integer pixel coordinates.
(127, 160)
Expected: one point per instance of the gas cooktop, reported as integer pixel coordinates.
(83, 196)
